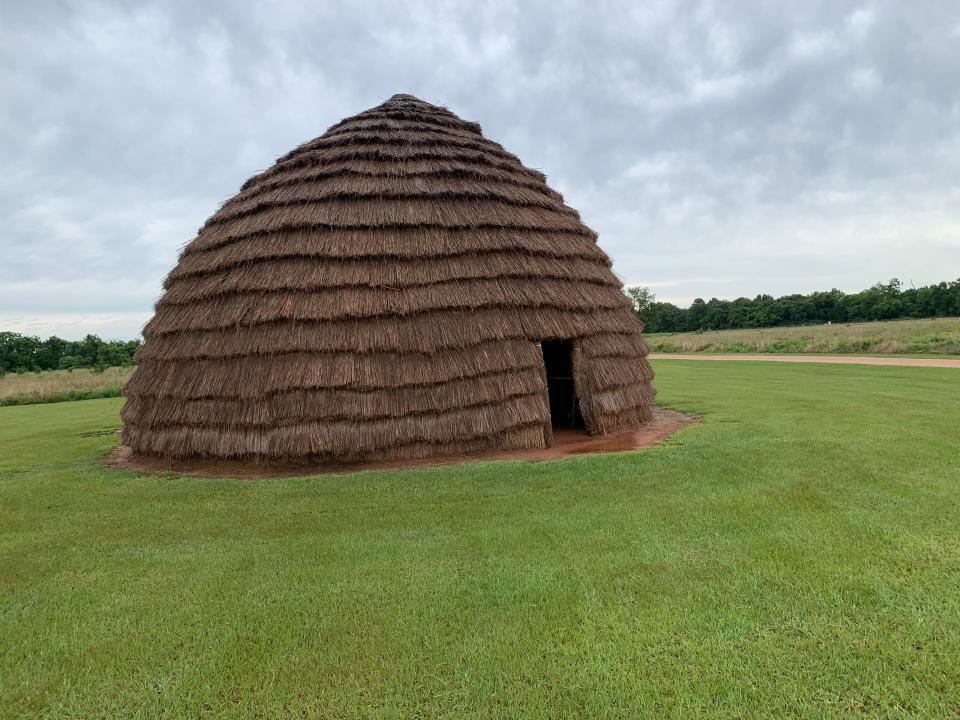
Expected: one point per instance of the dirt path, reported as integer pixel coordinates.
(836, 359)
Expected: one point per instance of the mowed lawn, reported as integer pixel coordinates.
(795, 554)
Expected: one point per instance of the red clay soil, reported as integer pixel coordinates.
(565, 443)
(837, 359)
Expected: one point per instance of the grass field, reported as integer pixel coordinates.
(60, 385)
(939, 336)
(795, 554)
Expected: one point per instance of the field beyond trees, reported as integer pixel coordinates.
(794, 554)
(59, 385)
(939, 336)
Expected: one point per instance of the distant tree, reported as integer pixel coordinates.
(641, 297)
(18, 352)
(49, 353)
(113, 355)
(22, 353)
(663, 317)
(70, 362)
(694, 316)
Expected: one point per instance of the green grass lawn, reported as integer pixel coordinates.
(795, 554)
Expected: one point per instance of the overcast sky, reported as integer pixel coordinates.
(719, 149)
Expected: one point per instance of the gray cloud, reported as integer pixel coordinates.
(719, 149)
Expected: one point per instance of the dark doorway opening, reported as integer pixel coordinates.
(558, 361)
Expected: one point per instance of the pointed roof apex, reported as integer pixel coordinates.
(409, 108)
(405, 100)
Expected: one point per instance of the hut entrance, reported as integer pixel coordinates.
(558, 361)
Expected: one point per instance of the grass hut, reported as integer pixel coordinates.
(398, 287)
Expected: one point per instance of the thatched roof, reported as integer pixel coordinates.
(380, 292)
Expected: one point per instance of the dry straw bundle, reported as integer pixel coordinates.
(379, 293)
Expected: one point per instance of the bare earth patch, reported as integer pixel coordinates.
(565, 443)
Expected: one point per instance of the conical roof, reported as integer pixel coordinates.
(381, 292)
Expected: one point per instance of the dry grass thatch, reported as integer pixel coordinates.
(380, 292)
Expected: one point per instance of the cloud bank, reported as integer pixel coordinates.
(719, 149)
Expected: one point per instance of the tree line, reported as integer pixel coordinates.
(25, 353)
(883, 301)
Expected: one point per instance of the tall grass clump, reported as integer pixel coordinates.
(62, 385)
(940, 336)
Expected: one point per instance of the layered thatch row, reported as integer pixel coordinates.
(348, 439)
(381, 292)
(257, 307)
(383, 273)
(373, 212)
(388, 170)
(395, 243)
(263, 375)
(417, 334)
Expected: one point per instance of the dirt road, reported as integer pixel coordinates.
(836, 359)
